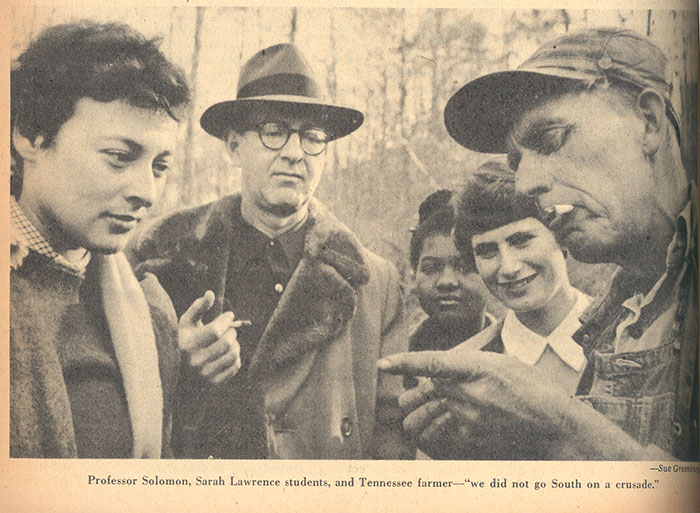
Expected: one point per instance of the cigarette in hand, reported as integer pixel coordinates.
(241, 322)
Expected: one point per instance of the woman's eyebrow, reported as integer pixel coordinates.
(130, 143)
(485, 245)
(519, 236)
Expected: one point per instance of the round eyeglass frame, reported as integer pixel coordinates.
(304, 141)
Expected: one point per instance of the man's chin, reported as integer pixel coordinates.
(282, 208)
(587, 252)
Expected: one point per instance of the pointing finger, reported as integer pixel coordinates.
(447, 364)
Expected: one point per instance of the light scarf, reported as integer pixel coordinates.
(129, 320)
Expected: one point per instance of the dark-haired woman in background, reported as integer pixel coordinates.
(448, 288)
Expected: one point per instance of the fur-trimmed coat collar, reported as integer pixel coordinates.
(319, 301)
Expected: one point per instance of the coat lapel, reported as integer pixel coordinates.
(319, 300)
(320, 297)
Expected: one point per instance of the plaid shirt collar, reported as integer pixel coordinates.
(23, 228)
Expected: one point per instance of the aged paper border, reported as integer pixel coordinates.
(62, 485)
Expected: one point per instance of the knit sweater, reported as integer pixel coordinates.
(66, 392)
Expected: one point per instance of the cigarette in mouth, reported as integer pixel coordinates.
(551, 213)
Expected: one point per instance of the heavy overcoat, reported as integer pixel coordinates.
(315, 363)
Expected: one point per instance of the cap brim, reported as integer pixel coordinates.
(335, 120)
(480, 115)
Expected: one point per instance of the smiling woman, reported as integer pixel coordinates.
(524, 266)
(93, 352)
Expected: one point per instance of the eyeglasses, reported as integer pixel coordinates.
(275, 135)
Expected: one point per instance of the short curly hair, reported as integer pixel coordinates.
(105, 62)
(488, 201)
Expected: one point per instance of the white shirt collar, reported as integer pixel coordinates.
(528, 347)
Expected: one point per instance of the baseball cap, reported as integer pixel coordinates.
(480, 115)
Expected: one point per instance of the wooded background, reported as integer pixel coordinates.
(398, 66)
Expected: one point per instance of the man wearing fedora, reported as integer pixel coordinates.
(322, 308)
(588, 124)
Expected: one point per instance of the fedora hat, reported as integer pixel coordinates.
(278, 79)
(480, 115)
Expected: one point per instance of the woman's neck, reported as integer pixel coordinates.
(71, 252)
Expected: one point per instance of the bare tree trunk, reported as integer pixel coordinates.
(188, 188)
(331, 84)
(402, 78)
(386, 124)
(689, 93)
(436, 43)
(293, 26)
(331, 80)
(566, 19)
(171, 29)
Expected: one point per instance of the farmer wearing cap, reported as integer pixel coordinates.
(587, 123)
(321, 308)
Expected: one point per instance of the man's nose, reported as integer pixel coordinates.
(448, 278)
(533, 176)
(292, 151)
(143, 188)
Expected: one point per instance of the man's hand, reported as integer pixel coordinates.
(212, 349)
(501, 409)
(430, 423)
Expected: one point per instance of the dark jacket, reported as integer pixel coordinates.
(316, 361)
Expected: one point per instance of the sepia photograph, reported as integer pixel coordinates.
(375, 244)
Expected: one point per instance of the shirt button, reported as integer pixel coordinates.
(636, 331)
(346, 427)
(279, 288)
(605, 63)
(272, 243)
